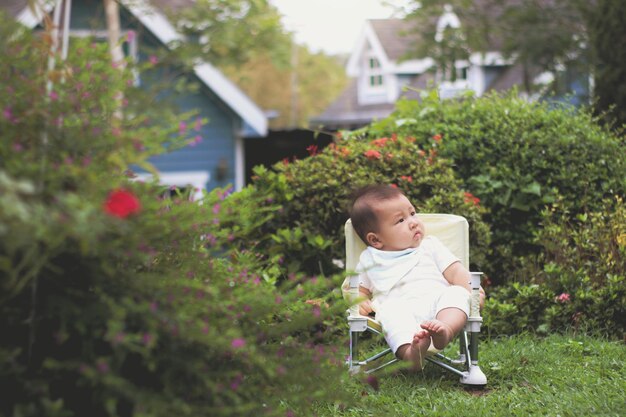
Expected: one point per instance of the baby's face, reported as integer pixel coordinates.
(398, 225)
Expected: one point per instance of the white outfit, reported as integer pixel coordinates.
(408, 287)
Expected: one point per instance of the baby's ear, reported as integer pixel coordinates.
(373, 240)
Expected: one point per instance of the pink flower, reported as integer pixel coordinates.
(8, 114)
(153, 60)
(563, 298)
(130, 36)
(182, 128)
(147, 338)
(103, 367)
(238, 343)
(372, 381)
(53, 95)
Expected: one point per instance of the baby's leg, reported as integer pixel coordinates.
(402, 331)
(416, 350)
(448, 323)
(452, 309)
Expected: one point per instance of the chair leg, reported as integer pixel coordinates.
(474, 375)
(353, 365)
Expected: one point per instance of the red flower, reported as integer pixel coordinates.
(372, 154)
(312, 150)
(406, 178)
(380, 142)
(437, 137)
(121, 203)
(470, 198)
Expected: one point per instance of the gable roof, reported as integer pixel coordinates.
(390, 40)
(395, 36)
(164, 31)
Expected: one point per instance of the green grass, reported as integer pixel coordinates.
(527, 376)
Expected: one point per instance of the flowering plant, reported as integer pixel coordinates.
(132, 318)
(122, 203)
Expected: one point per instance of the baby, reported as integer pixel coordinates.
(419, 290)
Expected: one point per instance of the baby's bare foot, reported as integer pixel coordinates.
(440, 332)
(419, 347)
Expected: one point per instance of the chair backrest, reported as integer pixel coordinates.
(450, 229)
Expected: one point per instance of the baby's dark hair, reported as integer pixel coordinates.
(361, 212)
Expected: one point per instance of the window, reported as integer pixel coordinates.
(376, 80)
(375, 73)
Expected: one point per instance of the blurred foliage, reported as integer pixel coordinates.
(117, 308)
(293, 90)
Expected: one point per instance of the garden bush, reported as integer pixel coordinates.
(517, 157)
(577, 282)
(295, 212)
(111, 305)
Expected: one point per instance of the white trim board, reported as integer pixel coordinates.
(197, 179)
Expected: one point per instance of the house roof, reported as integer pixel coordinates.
(151, 17)
(346, 111)
(395, 36)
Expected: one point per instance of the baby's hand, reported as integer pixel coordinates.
(365, 307)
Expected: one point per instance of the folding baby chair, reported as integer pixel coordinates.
(453, 232)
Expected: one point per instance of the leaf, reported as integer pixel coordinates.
(532, 188)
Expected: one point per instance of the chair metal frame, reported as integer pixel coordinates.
(453, 231)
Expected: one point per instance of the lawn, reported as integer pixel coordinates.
(569, 375)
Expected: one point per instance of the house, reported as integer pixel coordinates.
(219, 158)
(381, 73)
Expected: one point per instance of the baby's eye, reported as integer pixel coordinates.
(400, 220)
(413, 213)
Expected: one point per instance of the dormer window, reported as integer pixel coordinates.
(375, 73)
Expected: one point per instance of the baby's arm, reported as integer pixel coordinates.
(457, 274)
(365, 306)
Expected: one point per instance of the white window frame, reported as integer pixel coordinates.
(374, 72)
(195, 179)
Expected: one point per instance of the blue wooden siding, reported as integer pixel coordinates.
(218, 135)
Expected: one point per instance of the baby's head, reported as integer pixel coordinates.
(385, 219)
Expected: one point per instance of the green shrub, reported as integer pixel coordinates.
(110, 304)
(577, 282)
(295, 213)
(517, 157)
